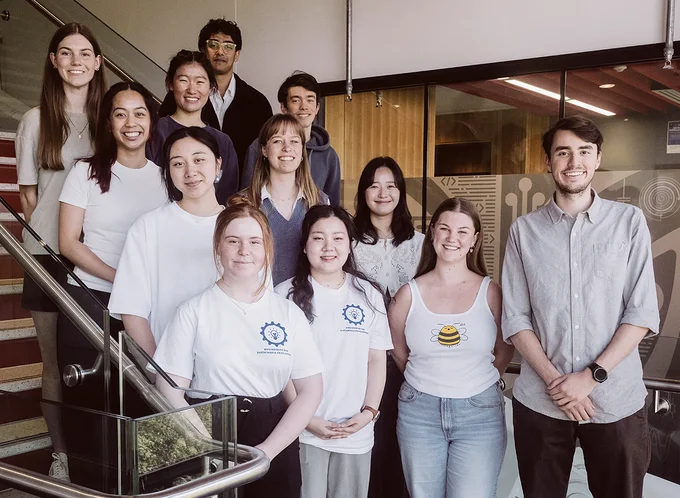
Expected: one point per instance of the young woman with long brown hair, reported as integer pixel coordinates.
(447, 340)
(284, 189)
(50, 138)
(266, 345)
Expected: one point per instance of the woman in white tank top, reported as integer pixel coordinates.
(446, 332)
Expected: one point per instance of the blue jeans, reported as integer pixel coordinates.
(451, 448)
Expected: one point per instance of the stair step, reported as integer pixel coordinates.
(18, 333)
(22, 429)
(19, 323)
(12, 198)
(11, 307)
(20, 372)
(23, 447)
(8, 161)
(8, 135)
(8, 173)
(9, 268)
(14, 226)
(21, 385)
(7, 148)
(18, 352)
(15, 493)
(14, 408)
(10, 286)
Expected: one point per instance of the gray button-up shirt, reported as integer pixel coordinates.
(573, 281)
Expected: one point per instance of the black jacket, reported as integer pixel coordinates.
(242, 122)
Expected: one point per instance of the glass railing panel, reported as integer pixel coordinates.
(184, 444)
(95, 441)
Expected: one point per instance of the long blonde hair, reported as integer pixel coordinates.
(303, 175)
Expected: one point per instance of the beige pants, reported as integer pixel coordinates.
(333, 475)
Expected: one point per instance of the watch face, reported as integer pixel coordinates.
(600, 374)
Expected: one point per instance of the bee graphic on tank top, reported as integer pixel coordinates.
(450, 335)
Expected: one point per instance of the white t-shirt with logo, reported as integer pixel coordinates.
(345, 327)
(167, 258)
(108, 216)
(225, 350)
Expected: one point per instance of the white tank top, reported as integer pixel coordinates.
(451, 355)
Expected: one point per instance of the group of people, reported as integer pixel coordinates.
(365, 358)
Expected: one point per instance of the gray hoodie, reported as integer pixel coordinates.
(323, 161)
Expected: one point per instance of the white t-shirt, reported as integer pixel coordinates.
(45, 217)
(451, 355)
(108, 216)
(345, 328)
(387, 265)
(226, 351)
(167, 258)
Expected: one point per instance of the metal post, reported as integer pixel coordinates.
(670, 26)
(348, 86)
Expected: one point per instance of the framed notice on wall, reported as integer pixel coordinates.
(673, 138)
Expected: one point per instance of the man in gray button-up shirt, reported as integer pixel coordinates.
(578, 297)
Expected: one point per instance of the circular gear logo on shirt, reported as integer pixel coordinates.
(274, 334)
(354, 314)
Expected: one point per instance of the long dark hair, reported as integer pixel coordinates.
(402, 222)
(475, 259)
(302, 291)
(54, 124)
(198, 134)
(105, 146)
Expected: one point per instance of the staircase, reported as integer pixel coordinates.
(23, 432)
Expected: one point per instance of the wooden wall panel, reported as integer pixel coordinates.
(361, 131)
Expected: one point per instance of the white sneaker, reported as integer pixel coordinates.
(59, 467)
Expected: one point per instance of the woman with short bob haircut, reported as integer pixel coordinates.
(349, 324)
(265, 344)
(50, 138)
(168, 251)
(447, 340)
(283, 188)
(191, 79)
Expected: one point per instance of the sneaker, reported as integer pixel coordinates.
(59, 467)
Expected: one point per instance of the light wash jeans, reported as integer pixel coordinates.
(451, 448)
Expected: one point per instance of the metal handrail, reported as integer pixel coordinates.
(255, 465)
(653, 383)
(51, 16)
(80, 319)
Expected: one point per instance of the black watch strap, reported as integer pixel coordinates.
(599, 373)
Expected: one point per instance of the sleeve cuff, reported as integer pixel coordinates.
(514, 325)
(642, 317)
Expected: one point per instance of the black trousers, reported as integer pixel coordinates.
(91, 464)
(387, 474)
(256, 419)
(617, 455)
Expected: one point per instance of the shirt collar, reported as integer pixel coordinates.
(264, 194)
(231, 89)
(593, 212)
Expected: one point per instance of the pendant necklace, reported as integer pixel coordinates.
(80, 133)
(236, 303)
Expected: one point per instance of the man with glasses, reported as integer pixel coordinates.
(236, 108)
(578, 297)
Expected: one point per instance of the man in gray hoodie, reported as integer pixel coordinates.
(299, 95)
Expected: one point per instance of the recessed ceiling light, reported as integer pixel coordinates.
(502, 78)
(608, 85)
(396, 105)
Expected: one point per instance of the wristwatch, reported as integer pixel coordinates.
(376, 413)
(599, 373)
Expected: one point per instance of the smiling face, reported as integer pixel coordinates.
(572, 163)
(130, 120)
(222, 60)
(302, 104)
(191, 87)
(193, 168)
(283, 151)
(241, 252)
(382, 196)
(75, 61)
(327, 246)
(453, 236)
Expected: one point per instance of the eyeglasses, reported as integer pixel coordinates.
(213, 44)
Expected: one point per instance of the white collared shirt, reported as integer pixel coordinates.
(221, 104)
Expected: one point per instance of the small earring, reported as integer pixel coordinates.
(472, 249)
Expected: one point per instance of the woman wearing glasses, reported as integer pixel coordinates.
(49, 140)
(191, 80)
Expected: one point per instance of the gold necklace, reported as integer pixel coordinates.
(80, 133)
